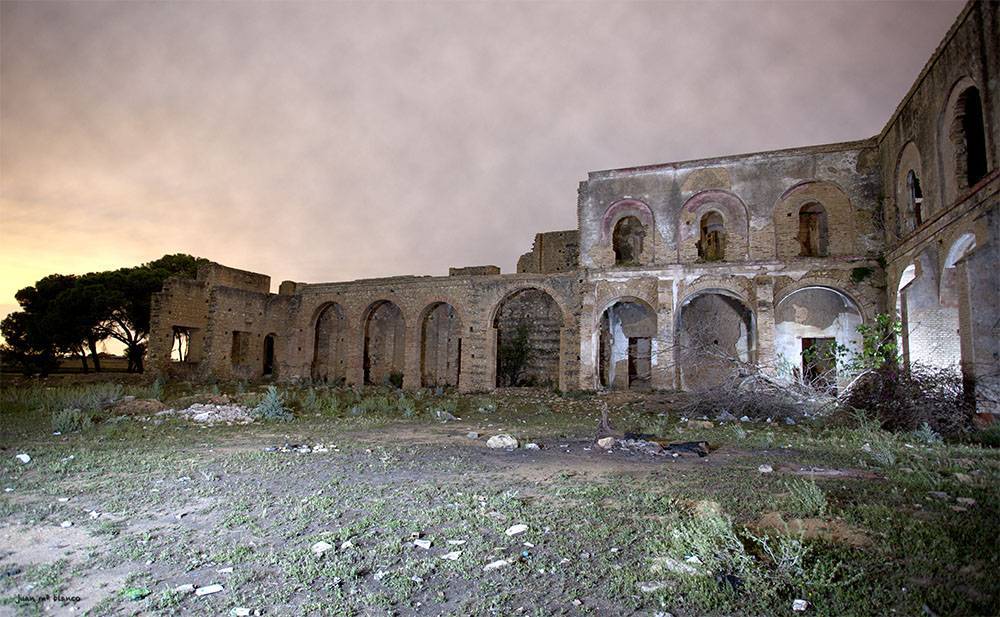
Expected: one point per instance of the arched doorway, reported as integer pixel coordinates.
(715, 338)
(440, 346)
(384, 348)
(330, 344)
(625, 345)
(815, 332)
(528, 327)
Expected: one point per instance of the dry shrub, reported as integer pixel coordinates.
(749, 392)
(905, 400)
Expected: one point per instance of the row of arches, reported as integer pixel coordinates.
(716, 333)
(527, 325)
(961, 163)
(714, 226)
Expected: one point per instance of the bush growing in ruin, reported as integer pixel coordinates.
(515, 353)
(272, 406)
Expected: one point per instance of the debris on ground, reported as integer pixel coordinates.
(424, 544)
(452, 556)
(513, 530)
(532, 446)
(502, 441)
(444, 416)
(207, 590)
(799, 605)
(472, 435)
(669, 564)
(321, 547)
(212, 414)
(833, 530)
(765, 468)
(302, 448)
(606, 442)
(700, 424)
(24, 458)
(496, 565)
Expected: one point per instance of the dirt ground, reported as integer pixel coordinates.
(139, 514)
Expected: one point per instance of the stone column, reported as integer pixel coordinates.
(764, 287)
(663, 376)
(412, 344)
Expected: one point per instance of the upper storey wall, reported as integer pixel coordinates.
(756, 206)
(933, 133)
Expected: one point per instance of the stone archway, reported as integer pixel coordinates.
(528, 325)
(384, 346)
(440, 346)
(330, 345)
(715, 337)
(626, 331)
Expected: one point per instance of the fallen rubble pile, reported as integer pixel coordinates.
(212, 414)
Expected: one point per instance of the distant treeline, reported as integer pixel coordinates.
(67, 314)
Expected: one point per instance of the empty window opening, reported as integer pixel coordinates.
(712, 244)
(627, 241)
(969, 138)
(916, 198)
(268, 368)
(181, 349)
(813, 232)
(819, 363)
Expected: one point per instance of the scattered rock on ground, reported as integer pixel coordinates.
(652, 586)
(513, 530)
(813, 529)
(496, 565)
(452, 556)
(207, 590)
(502, 441)
(700, 424)
(472, 435)
(321, 547)
(799, 605)
(424, 544)
(725, 416)
(606, 442)
(24, 458)
(765, 469)
(532, 446)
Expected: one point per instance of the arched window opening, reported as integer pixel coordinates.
(813, 232)
(969, 137)
(627, 241)
(712, 245)
(268, 355)
(916, 198)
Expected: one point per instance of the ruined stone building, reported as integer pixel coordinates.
(675, 270)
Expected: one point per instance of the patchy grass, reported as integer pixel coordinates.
(156, 504)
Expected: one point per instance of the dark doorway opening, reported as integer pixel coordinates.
(819, 363)
(269, 355)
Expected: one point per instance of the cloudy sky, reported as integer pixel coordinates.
(329, 141)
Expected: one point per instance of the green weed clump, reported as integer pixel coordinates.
(70, 421)
(272, 406)
(806, 498)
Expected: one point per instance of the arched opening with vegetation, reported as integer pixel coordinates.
(384, 348)
(440, 346)
(815, 334)
(957, 305)
(627, 241)
(712, 242)
(330, 345)
(813, 231)
(715, 337)
(625, 345)
(528, 327)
